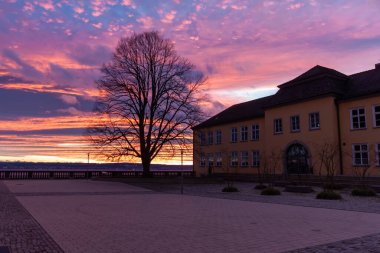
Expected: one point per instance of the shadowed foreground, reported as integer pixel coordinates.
(95, 216)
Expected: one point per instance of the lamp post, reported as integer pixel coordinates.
(181, 171)
(88, 165)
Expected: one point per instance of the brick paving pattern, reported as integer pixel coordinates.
(19, 230)
(138, 220)
(365, 244)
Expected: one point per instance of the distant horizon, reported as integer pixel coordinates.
(52, 51)
(134, 163)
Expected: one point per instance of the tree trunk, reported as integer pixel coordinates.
(146, 167)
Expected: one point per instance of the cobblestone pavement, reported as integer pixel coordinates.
(19, 231)
(137, 220)
(365, 244)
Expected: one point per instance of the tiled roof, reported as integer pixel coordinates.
(363, 84)
(316, 82)
(313, 73)
(238, 112)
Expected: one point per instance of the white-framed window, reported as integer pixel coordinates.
(234, 134)
(358, 118)
(314, 120)
(202, 138)
(202, 161)
(360, 154)
(255, 132)
(234, 159)
(295, 123)
(277, 126)
(210, 138)
(244, 133)
(376, 115)
(256, 158)
(244, 159)
(218, 158)
(210, 159)
(218, 136)
(377, 150)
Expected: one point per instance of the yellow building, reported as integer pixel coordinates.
(322, 121)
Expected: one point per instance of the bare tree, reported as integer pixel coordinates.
(362, 172)
(328, 160)
(363, 167)
(271, 162)
(149, 100)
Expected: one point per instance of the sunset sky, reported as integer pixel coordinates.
(51, 52)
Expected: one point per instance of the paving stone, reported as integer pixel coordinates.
(134, 220)
(19, 230)
(94, 216)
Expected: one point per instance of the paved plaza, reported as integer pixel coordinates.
(98, 216)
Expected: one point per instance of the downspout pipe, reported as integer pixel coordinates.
(339, 138)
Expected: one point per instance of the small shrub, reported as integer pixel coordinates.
(363, 192)
(260, 186)
(230, 189)
(328, 194)
(270, 191)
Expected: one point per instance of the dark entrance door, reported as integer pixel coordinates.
(297, 159)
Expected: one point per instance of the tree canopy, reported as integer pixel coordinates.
(149, 99)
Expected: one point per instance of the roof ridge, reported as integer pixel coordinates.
(362, 72)
(307, 75)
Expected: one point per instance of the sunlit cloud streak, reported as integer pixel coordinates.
(51, 51)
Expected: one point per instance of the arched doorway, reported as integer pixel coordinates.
(297, 159)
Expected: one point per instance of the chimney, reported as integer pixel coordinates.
(377, 66)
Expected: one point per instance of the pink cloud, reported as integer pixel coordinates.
(71, 100)
(28, 7)
(183, 25)
(146, 21)
(129, 3)
(295, 6)
(79, 9)
(111, 2)
(46, 4)
(238, 7)
(169, 17)
(98, 7)
(97, 25)
(198, 7)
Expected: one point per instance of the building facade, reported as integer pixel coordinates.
(323, 121)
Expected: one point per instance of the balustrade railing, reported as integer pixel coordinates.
(49, 174)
